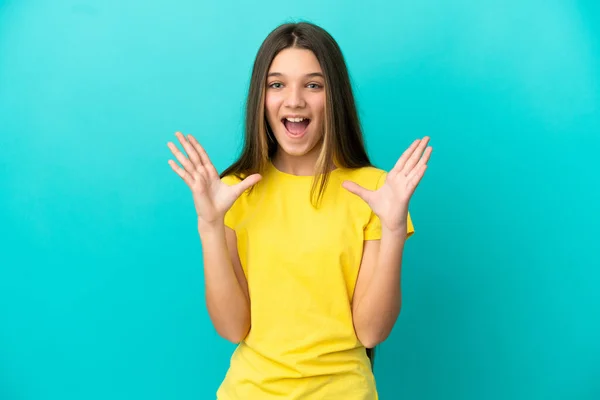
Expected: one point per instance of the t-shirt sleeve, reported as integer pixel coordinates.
(234, 214)
(373, 227)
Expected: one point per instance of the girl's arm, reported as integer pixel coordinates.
(226, 288)
(378, 294)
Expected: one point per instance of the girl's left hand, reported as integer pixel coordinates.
(390, 201)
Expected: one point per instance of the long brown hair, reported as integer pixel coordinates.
(343, 142)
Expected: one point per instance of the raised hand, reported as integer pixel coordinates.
(212, 197)
(390, 201)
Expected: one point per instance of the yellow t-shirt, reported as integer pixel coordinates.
(301, 264)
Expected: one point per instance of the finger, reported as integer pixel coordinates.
(424, 159)
(358, 190)
(204, 159)
(201, 173)
(183, 160)
(407, 153)
(415, 156)
(247, 183)
(187, 178)
(189, 149)
(415, 176)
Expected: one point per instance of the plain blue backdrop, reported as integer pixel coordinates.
(101, 282)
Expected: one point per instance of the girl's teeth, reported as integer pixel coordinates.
(295, 119)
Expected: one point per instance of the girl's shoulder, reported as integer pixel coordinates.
(369, 177)
(232, 179)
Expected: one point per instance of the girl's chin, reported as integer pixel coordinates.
(296, 149)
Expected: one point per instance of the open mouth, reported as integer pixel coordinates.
(295, 127)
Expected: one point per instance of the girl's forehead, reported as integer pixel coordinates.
(295, 62)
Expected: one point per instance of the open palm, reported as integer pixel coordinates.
(390, 201)
(212, 197)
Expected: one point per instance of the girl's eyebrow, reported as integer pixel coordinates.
(311, 75)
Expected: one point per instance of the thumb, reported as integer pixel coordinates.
(247, 183)
(358, 190)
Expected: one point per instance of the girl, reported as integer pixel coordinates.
(302, 238)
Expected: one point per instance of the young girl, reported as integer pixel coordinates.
(302, 238)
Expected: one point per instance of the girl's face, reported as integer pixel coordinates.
(295, 101)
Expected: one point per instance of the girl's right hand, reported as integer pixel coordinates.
(212, 197)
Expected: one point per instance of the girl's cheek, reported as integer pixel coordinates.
(271, 103)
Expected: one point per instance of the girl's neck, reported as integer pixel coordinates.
(298, 165)
(295, 165)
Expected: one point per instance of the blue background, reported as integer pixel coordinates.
(101, 290)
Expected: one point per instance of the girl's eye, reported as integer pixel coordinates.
(314, 86)
(275, 85)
